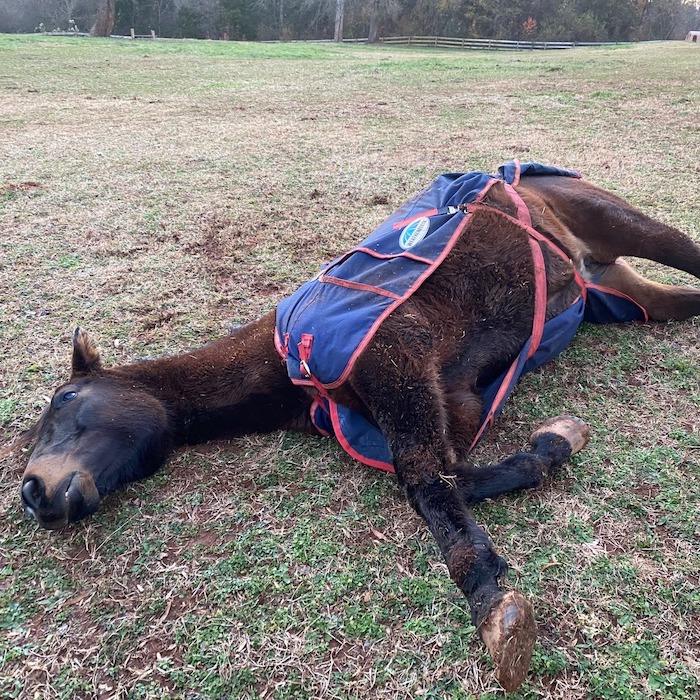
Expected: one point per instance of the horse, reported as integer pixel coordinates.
(418, 379)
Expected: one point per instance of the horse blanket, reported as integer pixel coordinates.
(324, 326)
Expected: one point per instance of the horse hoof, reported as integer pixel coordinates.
(509, 633)
(571, 428)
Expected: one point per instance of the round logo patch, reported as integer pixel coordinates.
(414, 233)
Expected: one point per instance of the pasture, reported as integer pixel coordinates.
(156, 193)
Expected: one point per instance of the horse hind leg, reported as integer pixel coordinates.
(608, 226)
(605, 227)
(620, 229)
(663, 302)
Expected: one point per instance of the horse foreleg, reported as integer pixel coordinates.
(406, 402)
(663, 302)
(504, 620)
(553, 442)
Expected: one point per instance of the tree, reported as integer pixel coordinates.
(21, 15)
(339, 20)
(237, 19)
(378, 11)
(59, 12)
(127, 16)
(664, 19)
(274, 13)
(162, 10)
(578, 20)
(530, 26)
(104, 24)
(190, 23)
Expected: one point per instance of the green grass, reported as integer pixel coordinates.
(154, 191)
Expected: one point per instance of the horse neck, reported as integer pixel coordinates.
(233, 386)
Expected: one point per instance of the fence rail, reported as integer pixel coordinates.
(440, 42)
(443, 42)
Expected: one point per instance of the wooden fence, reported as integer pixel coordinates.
(443, 42)
(440, 42)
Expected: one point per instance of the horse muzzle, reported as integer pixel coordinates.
(74, 497)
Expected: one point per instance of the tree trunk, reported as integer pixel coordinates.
(373, 36)
(339, 17)
(104, 24)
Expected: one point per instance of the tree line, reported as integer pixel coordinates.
(563, 20)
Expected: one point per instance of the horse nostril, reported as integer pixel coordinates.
(32, 492)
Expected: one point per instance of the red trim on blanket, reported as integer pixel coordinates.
(617, 293)
(281, 348)
(374, 254)
(316, 404)
(516, 177)
(523, 212)
(484, 192)
(540, 310)
(358, 285)
(340, 437)
(389, 256)
(392, 307)
(420, 215)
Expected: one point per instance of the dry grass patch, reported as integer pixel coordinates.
(155, 193)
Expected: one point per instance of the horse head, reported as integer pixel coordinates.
(101, 430)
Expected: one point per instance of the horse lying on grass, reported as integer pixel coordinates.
(473, 280)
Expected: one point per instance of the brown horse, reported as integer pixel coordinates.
(416, 380)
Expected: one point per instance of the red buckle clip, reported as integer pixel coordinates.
(304, 347)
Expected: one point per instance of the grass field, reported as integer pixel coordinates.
(154, 192)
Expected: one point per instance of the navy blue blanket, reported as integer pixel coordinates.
(325, 325)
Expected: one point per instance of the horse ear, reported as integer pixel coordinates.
(86, 356)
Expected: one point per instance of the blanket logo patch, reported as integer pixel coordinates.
(414, 233)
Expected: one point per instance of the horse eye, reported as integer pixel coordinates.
(69, 396)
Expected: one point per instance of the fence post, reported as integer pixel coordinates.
(153, 34)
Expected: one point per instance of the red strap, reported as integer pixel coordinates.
(488, 421)
(315, 405)
(540, 310)
(304, 348)
(523, 212)
(540, 304)
(516, 178)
